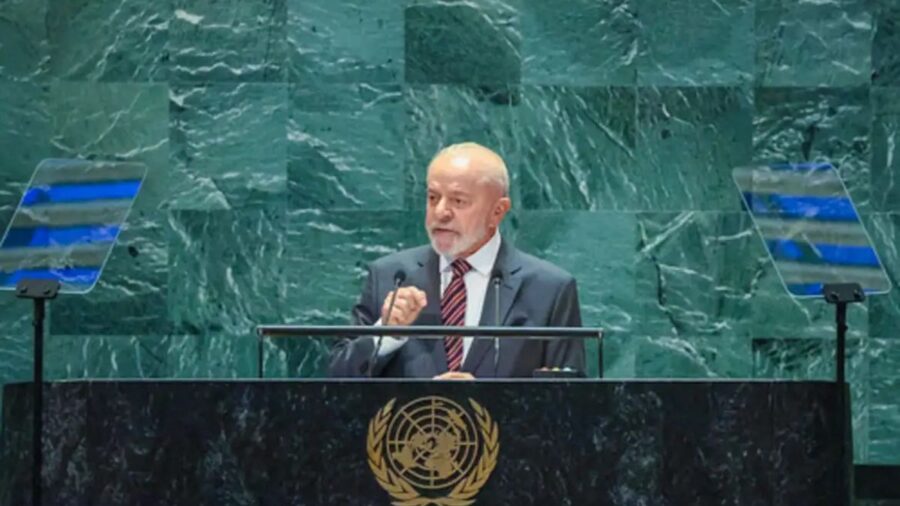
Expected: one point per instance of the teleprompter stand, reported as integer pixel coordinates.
(39, 291)
(842, 294)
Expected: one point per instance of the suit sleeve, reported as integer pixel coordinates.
(566, 312)
(350, 357)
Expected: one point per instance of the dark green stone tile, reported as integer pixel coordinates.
(813, 43)
(345, 42)
(884, 431)
(695, 357)
(462, 42)
(327, 254)
(325, 267)
(228, 40)
(884, 358)
(579, 42)
(163, 356)
(694, 274)
(15, 364)
(71, 357)
(689, 139)
(226, 271)
(297, 357)
(619, 355)
(694, 42)
(16, 341)
(884, 400)
(130, 297)
(25, 130)
(16, 317)
(592, 358)
(108, 41)
(115, 121)
(441, 115)
(585, 160)
(228, 145)
(885, 141)
(346, 147)
(806, 124)
(210, 356)
(23, 40)
(597, 248)
(808, 359)
(884, 310)
(886, 44)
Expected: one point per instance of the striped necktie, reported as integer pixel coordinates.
(453, 312)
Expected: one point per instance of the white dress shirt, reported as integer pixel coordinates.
(476, 280)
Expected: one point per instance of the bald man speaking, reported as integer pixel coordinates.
(448, 283)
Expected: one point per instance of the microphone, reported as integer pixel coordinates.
(496, 279)
(399, 278)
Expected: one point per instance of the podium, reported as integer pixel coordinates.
(419, 442)
(311, 442)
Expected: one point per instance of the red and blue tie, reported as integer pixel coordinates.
(453, 312)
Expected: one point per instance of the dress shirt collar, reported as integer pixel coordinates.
(482, 260)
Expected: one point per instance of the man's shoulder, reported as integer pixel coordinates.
(403, 259)
(543, 269)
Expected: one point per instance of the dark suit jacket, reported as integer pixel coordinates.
(533, 293)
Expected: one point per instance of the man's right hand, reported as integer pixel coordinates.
(410, 302)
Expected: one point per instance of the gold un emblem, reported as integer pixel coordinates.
(432, 452)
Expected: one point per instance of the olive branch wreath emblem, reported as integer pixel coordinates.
(404, 494)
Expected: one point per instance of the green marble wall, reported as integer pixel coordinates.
(287, 141)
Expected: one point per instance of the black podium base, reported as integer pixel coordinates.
(310, 442)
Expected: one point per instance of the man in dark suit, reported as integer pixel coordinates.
(448, 284)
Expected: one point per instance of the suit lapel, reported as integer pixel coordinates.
(508, 264)
(428, 278)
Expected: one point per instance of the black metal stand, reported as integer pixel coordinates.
(842, 294)
(40, 291)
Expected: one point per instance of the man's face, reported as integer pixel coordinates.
(462, 211)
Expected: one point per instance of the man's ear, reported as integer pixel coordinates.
(501, 208)
(506, 203)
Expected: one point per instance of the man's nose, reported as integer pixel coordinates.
(443, 211)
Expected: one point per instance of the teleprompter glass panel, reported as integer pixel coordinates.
(67, 222)
(810, 227)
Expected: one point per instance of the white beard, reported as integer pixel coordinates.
(463, 243)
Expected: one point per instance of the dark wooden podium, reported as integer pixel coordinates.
(351, 442)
